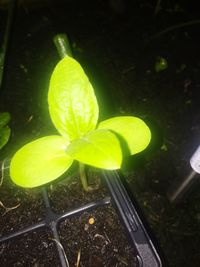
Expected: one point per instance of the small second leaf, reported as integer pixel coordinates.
(4, 135)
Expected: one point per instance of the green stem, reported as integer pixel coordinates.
(83, 176)
(62, 44)
(84, 179)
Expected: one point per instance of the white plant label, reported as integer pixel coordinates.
(195, 160)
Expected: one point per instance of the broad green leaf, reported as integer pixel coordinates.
(133, 130)
(72, 103)
(4, 118)
(40, 162)
(4, 135)
(99, 148)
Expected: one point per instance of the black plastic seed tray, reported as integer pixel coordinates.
(147, 255)
(137, 233)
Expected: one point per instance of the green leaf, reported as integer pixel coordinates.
(161, 64)
(132, 130)
(99, 148)
(4, 118)
(72, 103)
(40, 162)
(4, 135)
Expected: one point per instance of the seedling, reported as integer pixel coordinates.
(74, 112)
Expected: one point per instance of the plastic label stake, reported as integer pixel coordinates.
(195, 160)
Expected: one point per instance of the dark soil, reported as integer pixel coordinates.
(118, 43)
(100, 243)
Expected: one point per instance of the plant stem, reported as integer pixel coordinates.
(83, 176)
(62, 44)
(84, 179)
